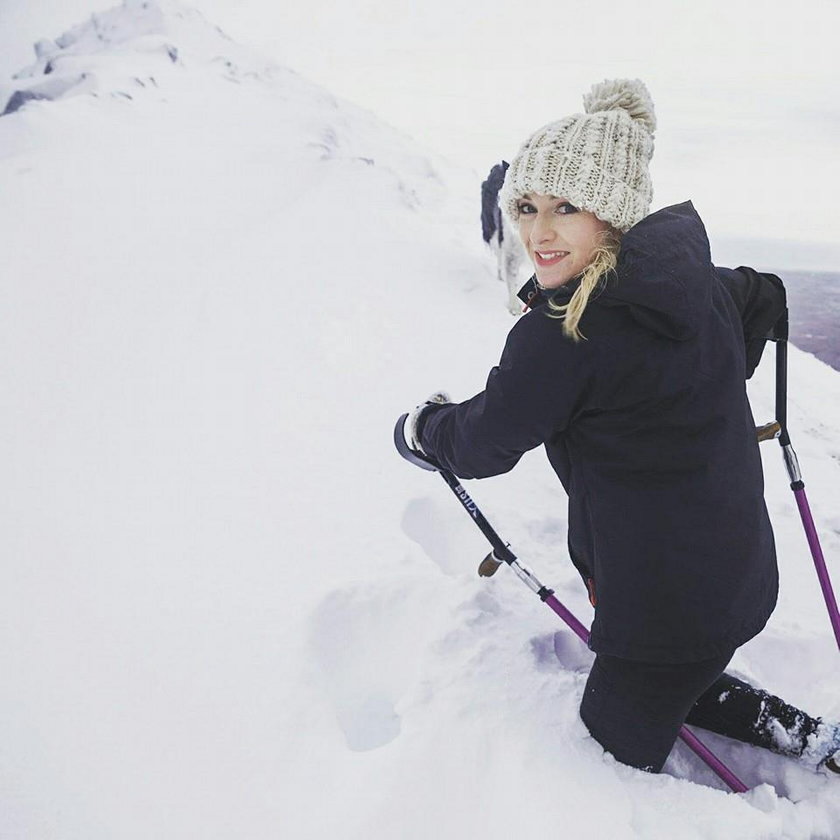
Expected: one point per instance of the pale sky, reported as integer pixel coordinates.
(745, 90)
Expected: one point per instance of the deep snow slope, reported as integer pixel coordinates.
(229, 609)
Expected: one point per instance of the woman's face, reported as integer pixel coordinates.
(559, 238)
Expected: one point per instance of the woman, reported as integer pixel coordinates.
(630, 369)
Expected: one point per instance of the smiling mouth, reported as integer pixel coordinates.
(546, 258)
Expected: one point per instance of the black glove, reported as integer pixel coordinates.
(413, 424)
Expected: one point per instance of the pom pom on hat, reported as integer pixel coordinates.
(630, 95)
(597, 160)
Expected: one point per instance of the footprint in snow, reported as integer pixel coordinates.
(366, 642)
(368, 722)
(442, 533)
(347, 640)
(561, 650)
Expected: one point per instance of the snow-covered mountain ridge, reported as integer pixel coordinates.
(229, 608)
(164, 51)
(82, 60)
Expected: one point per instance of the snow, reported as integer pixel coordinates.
(229, 608)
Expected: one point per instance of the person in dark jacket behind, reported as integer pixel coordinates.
(498, 234)
(630, 369)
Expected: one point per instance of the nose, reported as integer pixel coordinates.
(542, 230)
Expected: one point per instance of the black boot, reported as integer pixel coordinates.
(736, 709)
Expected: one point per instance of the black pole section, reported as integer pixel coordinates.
(500, 550)
(502, 553)
(780, 336)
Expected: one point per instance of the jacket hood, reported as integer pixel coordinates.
(662, 277)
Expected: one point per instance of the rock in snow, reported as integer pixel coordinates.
(229, 608)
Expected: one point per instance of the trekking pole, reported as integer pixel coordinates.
(501, 553)
(780, 336)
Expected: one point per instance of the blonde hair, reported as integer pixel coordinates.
(594, 277)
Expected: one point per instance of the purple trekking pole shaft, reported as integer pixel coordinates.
(501, 553)
(796, 482)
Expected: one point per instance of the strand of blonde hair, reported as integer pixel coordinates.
(604, 260)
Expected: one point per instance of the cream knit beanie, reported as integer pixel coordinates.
(598, 160)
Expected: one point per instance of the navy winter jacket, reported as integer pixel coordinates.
(491, 214)
(647, 425)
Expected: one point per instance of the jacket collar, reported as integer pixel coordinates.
(662, 274)
(534, 296)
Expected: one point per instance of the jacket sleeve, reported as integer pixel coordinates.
(761, 302)
(541, 381)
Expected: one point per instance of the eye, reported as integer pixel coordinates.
(525, 208)
(565, 209)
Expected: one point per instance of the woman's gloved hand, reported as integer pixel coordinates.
(414, 423)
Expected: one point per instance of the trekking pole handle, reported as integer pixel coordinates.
(411, 455)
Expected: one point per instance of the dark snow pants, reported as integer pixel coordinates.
(635, 709)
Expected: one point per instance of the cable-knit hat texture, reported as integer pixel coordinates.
(598, 160)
